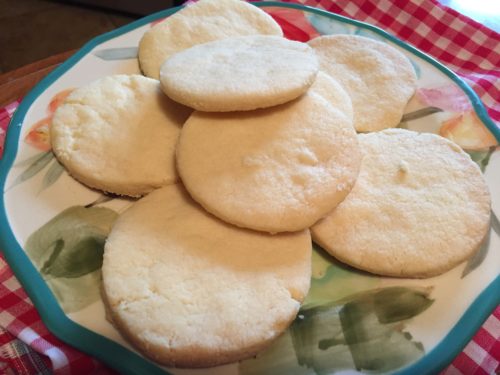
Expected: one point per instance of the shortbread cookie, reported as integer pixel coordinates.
(419, 207)
(189, 290)
(379, 79)
(240, 73)
(199, 23)
(333, 92)
(118, 134)
(277, 169)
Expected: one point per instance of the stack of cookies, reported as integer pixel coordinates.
(243, 144)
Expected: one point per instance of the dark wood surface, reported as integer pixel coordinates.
(17, 83)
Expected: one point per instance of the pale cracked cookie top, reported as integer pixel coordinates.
(419, 207)
(276, 169)
(189, 290)
(379, 79)
(118, 134)
(239, 73)
(198, 23)
(333, 92)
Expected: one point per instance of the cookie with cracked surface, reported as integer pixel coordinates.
(240, 73)
(378, 77)
(118, 134)
(278, 169)
(420, 206)
(189, 290)
(333, 92)
(199, 23)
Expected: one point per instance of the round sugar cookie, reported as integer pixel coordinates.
(189, 290)
(333, 92)
(278, 169)
(240, 73)
(199, 23)
(118, 134)
(420, 206)
(379, 79)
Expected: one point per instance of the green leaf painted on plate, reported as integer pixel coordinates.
(123, 53)
(361, 31)
(30, 160)
(395, 304)
(318, 340)
(69, 247)
(495, 223)
(55, 251)
(482, 158)
(75, 294)
(52, 175)
(403, 125)
(478, 258)
(364, 332)
(36, 165)
(416, 67)
(279, 358)
(332, 280)
(71, 226)
(321, 261)
(84, 257)
(372, 329)
(326, 26)
(419, 113)
(101, 199)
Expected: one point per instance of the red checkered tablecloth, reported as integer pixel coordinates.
(465, 46)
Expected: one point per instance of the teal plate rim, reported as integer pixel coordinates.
(128, 362)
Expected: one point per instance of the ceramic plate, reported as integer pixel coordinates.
(53, 230)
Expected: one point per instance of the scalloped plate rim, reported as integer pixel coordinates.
(114, 354)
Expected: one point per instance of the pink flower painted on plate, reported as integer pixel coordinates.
(294, 24)
(468, 132)
(39, 136)
(57, 100)
(449, 98)
(464, 128)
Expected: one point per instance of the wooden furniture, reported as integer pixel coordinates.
(17, 83)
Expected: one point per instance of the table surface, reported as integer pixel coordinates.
(17, 83)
